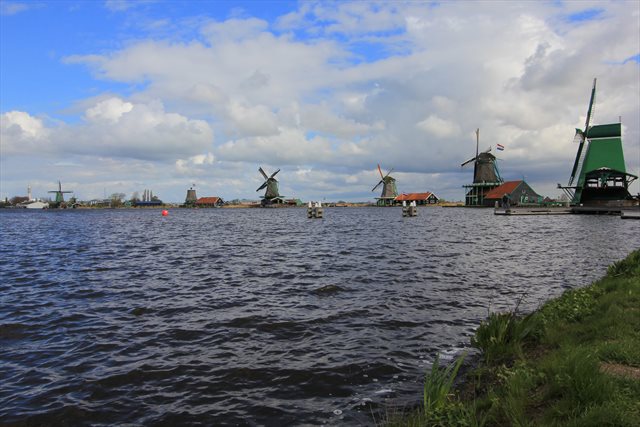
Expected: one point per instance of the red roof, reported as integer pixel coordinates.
(410, 197)
(208, 200)
(506, 188)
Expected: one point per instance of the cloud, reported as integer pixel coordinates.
(438, 127)
(113, 128)
(321, 118)
(195, 165)
(22, 133)
(329, 90)
(289, 147)
(8, 8)
(255, 120)
(110, 110)
(141, 131)
(234, 30)
(125, 5)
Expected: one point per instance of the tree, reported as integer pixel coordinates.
(18, 199)
(116, 199)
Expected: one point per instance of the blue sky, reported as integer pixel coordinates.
(120, 96)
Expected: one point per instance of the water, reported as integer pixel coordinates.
(262, 316)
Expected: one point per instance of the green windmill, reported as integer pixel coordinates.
(59, 202)
(271, 195)
(598, 176)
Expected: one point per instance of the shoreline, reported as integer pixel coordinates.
(573, 361)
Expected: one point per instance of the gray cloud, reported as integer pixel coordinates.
(402, 84)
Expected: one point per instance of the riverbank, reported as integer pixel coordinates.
(575, 361)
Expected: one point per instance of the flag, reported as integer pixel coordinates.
(499, 147)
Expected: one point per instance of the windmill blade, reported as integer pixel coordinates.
(377, 185)
(264, 184)
(590, 110)
(583, 135)
(390, 170)
(468, 161)
(274, 174)
(262, 172)
(579, 135)
(380, 170)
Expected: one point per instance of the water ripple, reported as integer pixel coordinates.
(263, 317)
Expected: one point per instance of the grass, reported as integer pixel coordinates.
(573, 362)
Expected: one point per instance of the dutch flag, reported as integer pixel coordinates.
(499, 147)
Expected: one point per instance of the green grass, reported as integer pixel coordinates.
(545, 369)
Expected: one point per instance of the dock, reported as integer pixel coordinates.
(533, 211)
(630, 214)
(623, 212)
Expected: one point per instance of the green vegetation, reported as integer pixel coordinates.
(574, 362)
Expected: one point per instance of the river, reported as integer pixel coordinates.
(262, 316)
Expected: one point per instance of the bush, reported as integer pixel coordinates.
(626, 267)
(502, 336)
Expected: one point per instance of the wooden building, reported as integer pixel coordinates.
(209, 202)
(427, 198)
(517, 192)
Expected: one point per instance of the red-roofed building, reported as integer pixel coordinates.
(518, 193)
(427, 198)
(209, 202)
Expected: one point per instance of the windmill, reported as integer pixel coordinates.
(598, 175)
(59, 202)
(191, 198)
(485, 175)
(389, 190)
(271, 195)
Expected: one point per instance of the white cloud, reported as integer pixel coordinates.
(438, 127)
(252, 120)
(195, 165)
(289, 147)
(234, 30)
(110, 110)
(8, 8)
(343, 86)
(320, 118)
(21, 133)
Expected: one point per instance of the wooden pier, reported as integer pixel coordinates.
(630, 214)
(533, 211)
(315, 210)
(623, 212)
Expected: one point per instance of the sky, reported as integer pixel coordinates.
(121, 96)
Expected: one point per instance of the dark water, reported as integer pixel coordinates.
(263, 317)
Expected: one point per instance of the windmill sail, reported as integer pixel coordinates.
(59, 194)
(582, 136)
(485, 175)
(598, 175)
(271, 184)
(389, 189)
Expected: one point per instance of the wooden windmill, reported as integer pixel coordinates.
(389, 190)
(272, 194)
(486, 176)
(598, 175)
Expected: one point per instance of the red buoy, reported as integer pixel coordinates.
(165, 212)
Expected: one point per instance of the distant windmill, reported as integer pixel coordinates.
(272, 194)
(59, 196)
(389, 190)
(485, 175)
(484, 165)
